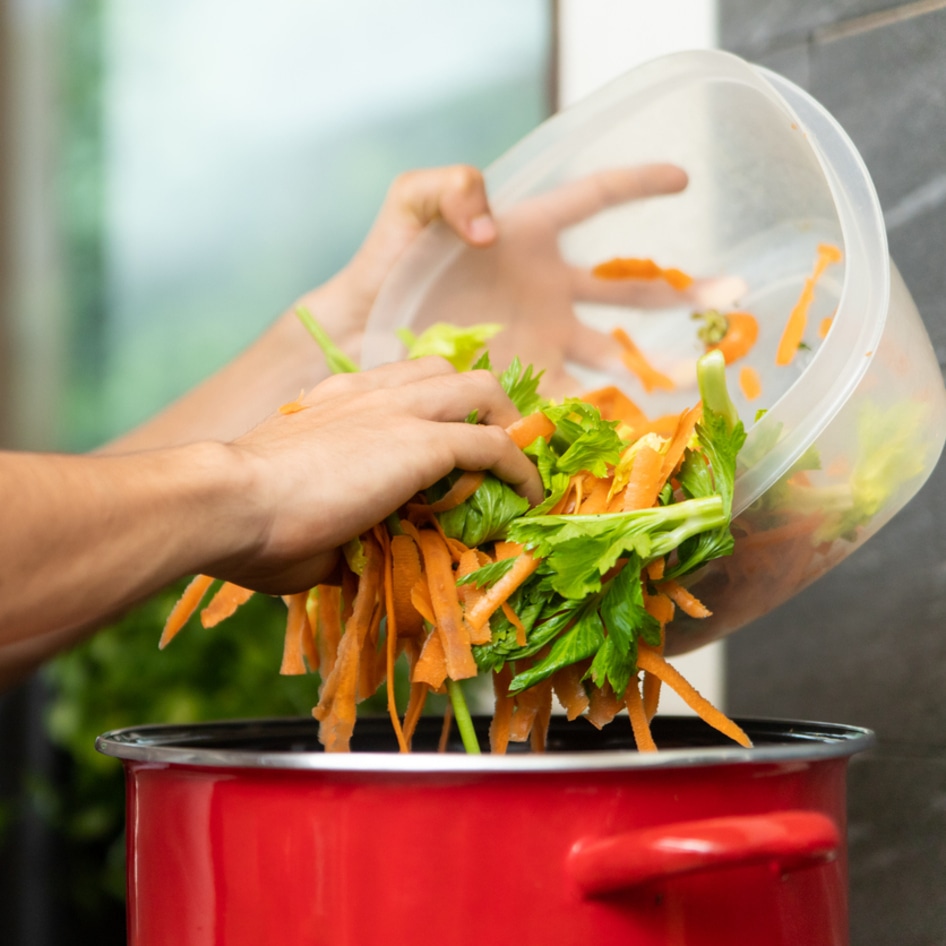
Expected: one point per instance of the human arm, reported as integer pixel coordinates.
(85, 537)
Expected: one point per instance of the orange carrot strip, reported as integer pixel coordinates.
(614, 404)
(469, 594)
(660, 607)
(513, 619)
(597, 500)
(420, 599)
(186, 605)
(650, 695)
(603, 706)
(676, 278)
(336, 708)
(431, 667)
(794, 329)
(444, 740)
(373, 669)
(502, 712)
(453, 631)
(506, 549)
(406, 571)
(297, 626)
(415, 707)
(528, 429)
(454, 546)
(294, 406)
(824, 326)
(684, 599)
(623, 267)
(645, 480)
(655, 664)
(526, 563)
(635, 362)
(640, 725)
(570, 690)
(465, 486)
(682, 435)
(224, 603)
(529, 703)
(655, 569)
(390, 649)
(419, 691)
(309, 642)
(664, 426)
(740, 332)
(330, 626)
(750, 383)
(543, 716)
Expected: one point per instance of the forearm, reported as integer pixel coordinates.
(85, 537)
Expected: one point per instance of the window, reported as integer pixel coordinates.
(220, 157)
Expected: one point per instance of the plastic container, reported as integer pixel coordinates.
(771, 177)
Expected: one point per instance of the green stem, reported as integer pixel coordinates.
(711, 376)
(338, 362)
(461, 713)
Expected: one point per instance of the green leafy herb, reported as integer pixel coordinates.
(485, 515)
(459, 345)
(522, 386)
(488, 574)
(585, 602)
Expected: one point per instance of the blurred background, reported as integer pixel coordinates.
(174, 174)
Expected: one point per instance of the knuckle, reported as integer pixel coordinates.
(463, 178)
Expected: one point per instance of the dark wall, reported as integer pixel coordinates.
(867, 644)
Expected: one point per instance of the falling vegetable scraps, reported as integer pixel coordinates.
(570, 598)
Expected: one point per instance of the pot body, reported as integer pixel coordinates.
(643, 855)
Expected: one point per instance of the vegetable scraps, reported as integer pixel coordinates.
(794, 330)
(569, 599)
(735, 334)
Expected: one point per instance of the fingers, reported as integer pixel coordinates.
(456, 194)
(718, 293)
(453, 398)
(428, 388)
(393, 375)
(580, 199)
(593, 349)
(482, 447)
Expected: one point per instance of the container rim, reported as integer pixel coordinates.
(211, 745)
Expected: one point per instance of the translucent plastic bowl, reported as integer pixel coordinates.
(841, 438)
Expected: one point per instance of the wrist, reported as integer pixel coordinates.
(225, 496)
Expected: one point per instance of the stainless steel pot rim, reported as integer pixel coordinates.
(205, 745)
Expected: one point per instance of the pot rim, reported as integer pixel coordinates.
(204, 745)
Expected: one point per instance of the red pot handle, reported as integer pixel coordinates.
(791, 839)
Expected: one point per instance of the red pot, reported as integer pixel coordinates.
(245, 833)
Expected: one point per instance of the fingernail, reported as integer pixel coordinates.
(481, 229)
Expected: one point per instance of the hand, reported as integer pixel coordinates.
(523, 281)
(363, 445)
(454, 195)
(285, 360)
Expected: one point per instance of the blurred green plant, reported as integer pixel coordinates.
(119, 678)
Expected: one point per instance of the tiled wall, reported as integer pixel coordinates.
(867, 644)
